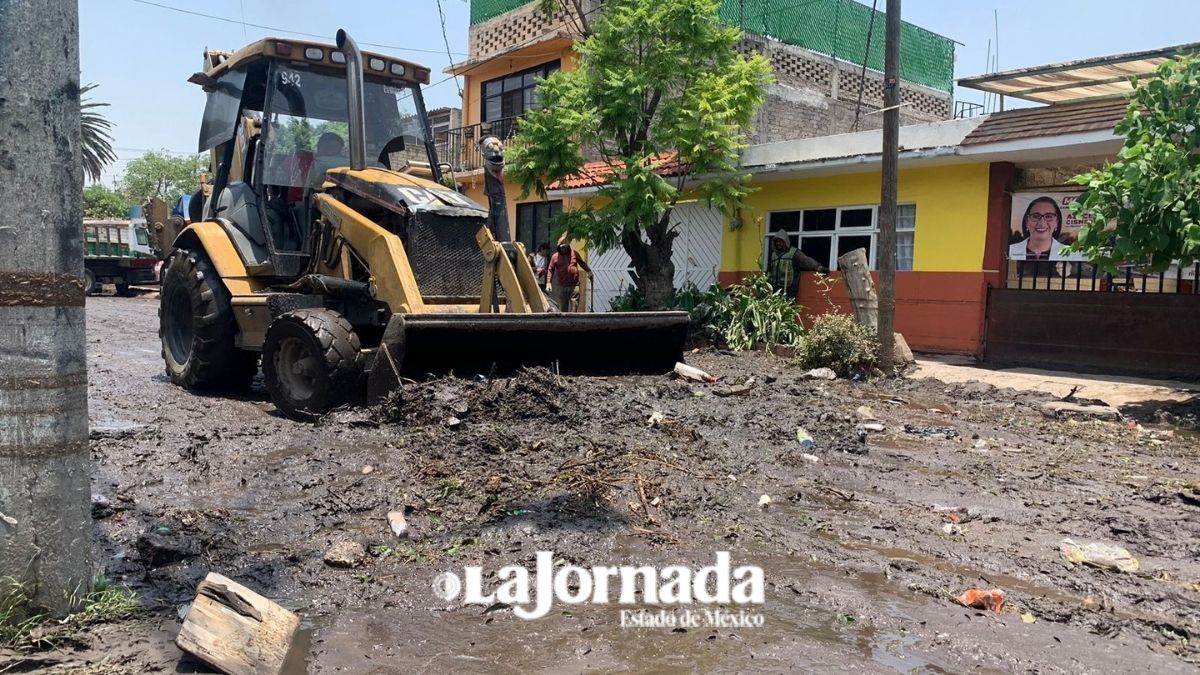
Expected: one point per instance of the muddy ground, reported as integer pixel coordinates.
(859, 563)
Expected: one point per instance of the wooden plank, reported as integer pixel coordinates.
(236, 630)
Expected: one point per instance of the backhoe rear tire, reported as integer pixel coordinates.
(312, 362)
(197, 327)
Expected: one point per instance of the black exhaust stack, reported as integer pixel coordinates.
(357, 120)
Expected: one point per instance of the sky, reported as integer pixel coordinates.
(141, 53)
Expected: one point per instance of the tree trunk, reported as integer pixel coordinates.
(887, 199)
(45, 534)
(653, 265)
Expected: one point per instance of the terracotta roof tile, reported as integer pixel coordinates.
(1052, 120)
(595, 174)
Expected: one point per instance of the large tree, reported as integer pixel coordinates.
(661, 95)
(1145, 207)
(95, 142)
(158, 174)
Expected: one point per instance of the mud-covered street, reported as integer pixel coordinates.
(867, 538)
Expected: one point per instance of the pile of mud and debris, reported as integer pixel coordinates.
(872, 507)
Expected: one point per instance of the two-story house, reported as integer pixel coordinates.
(827, 57)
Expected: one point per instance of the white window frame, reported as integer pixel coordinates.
(838, 230)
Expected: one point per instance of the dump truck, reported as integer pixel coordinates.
(330, 250)
(117, 252)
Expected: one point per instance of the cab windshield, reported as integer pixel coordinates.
(307, 131)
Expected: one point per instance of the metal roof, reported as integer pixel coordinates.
(1104, 76)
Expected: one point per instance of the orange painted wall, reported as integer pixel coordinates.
(941, 312)
(507, 64)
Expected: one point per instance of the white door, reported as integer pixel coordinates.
(696, 254)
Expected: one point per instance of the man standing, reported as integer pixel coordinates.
(563, 274)
(785, 262)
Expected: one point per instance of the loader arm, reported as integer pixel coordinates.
(392, 278)
(522, 293)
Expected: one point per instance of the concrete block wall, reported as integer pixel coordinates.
(816, 95)
(520, 26)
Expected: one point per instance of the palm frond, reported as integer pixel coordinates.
(95, 139)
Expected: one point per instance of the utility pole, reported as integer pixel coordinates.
(46, 527)
(887, 195)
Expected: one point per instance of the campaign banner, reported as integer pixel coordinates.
(1042, 225)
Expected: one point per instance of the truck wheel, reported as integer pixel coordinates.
(311, 362)
(89, 283)
(197, 328)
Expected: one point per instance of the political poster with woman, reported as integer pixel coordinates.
(1042, 225)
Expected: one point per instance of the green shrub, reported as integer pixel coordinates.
(630, 300)
(836, 341)
(748, 314)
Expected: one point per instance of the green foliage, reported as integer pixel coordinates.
(630, 300)
(23, 625)
(1152, 192)
(837, 341)
(101, 202)
(659, 81)
(748, 314)
(157, 174)
(95, 141)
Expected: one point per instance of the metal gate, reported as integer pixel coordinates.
(696, 254)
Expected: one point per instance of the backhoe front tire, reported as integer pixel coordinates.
(197, 327)
(312, 362)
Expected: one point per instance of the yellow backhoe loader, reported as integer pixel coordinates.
(330, 249)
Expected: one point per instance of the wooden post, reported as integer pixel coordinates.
(887, 197)
(45, 467)
(857, 272)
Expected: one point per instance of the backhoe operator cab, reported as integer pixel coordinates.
(330, 247)
(276, 122)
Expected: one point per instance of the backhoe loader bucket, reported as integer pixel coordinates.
(418, 345)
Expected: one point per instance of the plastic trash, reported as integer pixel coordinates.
(977, 598)
(1103, 556)
(693, 373)
(805, 439)
(764, 501)
(656, 418)
(398, 524)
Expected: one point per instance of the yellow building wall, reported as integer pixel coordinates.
(951, 206)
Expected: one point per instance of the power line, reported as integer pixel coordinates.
(862, 76)
(283, 30)
(446, 40)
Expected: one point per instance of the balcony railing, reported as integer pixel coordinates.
(462, 144)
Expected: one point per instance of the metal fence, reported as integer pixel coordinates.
(462, 144)
(1047, 275)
